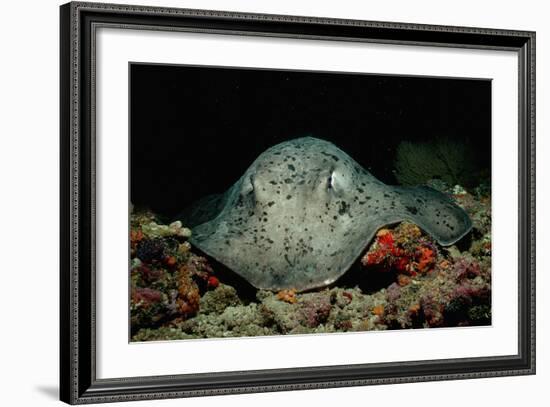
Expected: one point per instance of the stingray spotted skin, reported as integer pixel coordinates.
(304, 211)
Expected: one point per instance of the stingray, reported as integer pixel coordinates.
(304, 212)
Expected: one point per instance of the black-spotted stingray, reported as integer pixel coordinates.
(303, 213)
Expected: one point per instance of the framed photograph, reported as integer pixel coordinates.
(256, 203)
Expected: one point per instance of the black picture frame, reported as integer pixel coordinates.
(78, 382)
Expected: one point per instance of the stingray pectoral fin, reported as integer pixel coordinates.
(436, 213)
(203, 210)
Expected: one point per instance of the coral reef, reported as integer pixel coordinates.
(167, 280)
(452, 162)
(178, 294)
(435, 286)
(447, 297)
(402, 249)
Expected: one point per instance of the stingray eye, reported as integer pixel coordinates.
(247, 186)
(251, 179)
(330, 181)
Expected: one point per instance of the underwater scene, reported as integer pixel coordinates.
(277, 202)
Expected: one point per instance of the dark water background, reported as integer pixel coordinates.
(195, 130)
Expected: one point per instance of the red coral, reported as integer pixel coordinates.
(384, 248)
(401, 264)
(213, 282)
(425, 259)
(386, 254)
(374, 258)
(386, 240)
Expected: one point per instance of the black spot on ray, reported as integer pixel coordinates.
(343, 208)
(335, 158)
